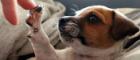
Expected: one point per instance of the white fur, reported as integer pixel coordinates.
(78, 49)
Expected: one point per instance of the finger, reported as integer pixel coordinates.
(9, 10)
(27, 4)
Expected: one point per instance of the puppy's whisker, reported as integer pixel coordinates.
(73, 11)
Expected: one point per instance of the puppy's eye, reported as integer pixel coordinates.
(93, 19)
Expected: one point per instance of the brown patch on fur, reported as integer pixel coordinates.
(97, 36)
(122, 27)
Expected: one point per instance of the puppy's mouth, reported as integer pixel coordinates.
(132, 42)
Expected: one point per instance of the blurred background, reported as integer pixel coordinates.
(78, 4)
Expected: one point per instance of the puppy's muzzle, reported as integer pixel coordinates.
(68, 27)
(62, 23)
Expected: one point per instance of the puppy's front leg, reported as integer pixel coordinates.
(39, 40)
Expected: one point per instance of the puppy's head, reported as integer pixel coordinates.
(96, 26)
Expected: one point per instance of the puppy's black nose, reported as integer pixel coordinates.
(38, 9)
(64, 19)
(62, 23)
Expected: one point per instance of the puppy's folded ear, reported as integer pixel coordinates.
(122, 26)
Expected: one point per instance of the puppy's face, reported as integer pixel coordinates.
(96, 26)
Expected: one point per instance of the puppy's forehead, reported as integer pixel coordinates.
(103, 12)
(93, 9)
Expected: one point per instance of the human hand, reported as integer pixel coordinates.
(10, 11)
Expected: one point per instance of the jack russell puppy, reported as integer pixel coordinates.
(94, 33)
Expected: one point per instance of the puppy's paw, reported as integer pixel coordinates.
(34, 18)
